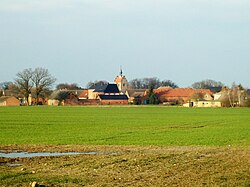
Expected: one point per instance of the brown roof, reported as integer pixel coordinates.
(136, 92)
(162, 90)
(4, 98)
(185, 92)
(84, 94)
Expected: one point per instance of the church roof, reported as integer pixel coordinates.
(109, 88)
(113, 97)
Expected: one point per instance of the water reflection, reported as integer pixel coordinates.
(44, 154)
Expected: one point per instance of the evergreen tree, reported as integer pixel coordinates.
(152, 97)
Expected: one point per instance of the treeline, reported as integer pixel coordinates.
(148, 83)
(141, 83)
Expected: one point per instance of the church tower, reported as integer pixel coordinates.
(121, 82)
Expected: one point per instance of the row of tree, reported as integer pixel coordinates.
(150, 83)
(141, 83)
(207, 84)
(154, 82)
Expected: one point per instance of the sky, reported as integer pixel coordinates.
(87, 40)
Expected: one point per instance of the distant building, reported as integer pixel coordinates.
(83, 95)
(9, 101)
(137, 96)
(184, 95)
(63, 97)
(92, 91)
(203, 104)
(110, 94)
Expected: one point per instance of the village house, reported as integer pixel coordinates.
(83, 95)
(185, 95)
(93, 90)
(204, 104)
(232, 98)
(161, 91)
(63, 97)
(9, 101)
(137, 96)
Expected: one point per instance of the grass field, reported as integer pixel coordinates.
(124, 126)
(155, 146)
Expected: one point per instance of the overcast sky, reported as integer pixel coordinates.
(86, 40)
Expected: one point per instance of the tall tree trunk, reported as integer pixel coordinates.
(229, 98)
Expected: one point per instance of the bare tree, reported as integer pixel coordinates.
(147, 83)
(42, 81)
(67, 86)
(91, 83)
(169, 83)
(5, 85)
(135, 84)
(24, 82)
(197, 96)
(236, 95)
(206, 84)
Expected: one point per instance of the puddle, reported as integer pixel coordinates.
(13, 165)
(44, 154)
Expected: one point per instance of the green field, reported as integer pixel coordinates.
(155, 146)
(124, 126)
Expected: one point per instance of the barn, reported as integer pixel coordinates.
(9, 101)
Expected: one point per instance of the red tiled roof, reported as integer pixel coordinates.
(84, 94)
(162, 90)
(185, 92)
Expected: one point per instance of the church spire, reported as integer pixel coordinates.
(121, 81)
(121, 71)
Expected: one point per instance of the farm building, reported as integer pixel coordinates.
(136, 96)
(205, 104)
(184, 95)
(92, 91)
(9, 101)
(63, 97)
(161, 91)
(83, 95)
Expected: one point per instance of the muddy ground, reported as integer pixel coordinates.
(128, 166)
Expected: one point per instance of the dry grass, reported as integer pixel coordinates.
(132, 166)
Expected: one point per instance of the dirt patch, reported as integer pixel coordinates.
(135, 166)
